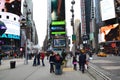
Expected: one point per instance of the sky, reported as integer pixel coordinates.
(40, 17)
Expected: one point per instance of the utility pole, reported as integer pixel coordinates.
(72, 24)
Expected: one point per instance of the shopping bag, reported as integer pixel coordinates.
(86, 66)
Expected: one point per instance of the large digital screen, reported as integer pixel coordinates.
(57, 28)
(10, 12)
(109, 33)
(59, 42)
(11, 6)
(58, 10)
(107, 9)
(12, 23)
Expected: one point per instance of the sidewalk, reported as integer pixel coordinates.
(28, 72)
(6, 63)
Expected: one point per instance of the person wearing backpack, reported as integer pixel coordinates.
(58, 63)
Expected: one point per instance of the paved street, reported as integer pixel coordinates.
(28, 72)
(109, 65)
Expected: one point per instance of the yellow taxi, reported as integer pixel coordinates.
(102, 54)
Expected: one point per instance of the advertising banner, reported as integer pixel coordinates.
(59, 42)
(11, 6)
(58, 10)
(10, 11)
(109, 33)
(107, 9)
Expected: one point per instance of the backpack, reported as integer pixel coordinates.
(57, 58)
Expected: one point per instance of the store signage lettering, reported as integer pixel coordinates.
(10, 36)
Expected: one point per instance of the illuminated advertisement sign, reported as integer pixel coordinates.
(57, 28)
(10, 36)
(10, 11)
(56, 23)
(109, 33)
(58, 33)
(12, 24)
(11, 6)
(107, 9)
(58, 10)
(59, 42)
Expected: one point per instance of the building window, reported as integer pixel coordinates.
(7, 17)
(14, 18)
(3, 10)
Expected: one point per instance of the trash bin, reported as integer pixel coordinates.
(12, 64)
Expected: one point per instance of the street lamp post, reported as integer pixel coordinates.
(72, 24)
(24, 27)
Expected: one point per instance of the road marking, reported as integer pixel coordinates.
(101, 61)
(68, 69)
(111, 67)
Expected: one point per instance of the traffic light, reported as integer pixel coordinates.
(85, 37)
(73, 37)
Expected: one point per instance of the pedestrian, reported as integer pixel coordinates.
(90, 54)
(42, 56)
(51, 61)
(82, 60)
(38, 58)
(47, 55)
(74, 63)
(0, 58)
(63, 54)
(35, 59)
(58, 63)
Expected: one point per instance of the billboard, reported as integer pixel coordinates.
(58, 10)
(12, 23)
(57, 28)
(109, 33)
(59, 42)
(107, 9)
(11, 6)
(10, 11)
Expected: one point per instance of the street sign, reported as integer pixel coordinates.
(73, 37)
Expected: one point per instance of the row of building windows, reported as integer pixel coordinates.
(8, 17)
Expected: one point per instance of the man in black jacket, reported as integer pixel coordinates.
(52, 61)
(82, 60)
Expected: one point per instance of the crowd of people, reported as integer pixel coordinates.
(57, 60)
(37, 57)
(54, 58)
